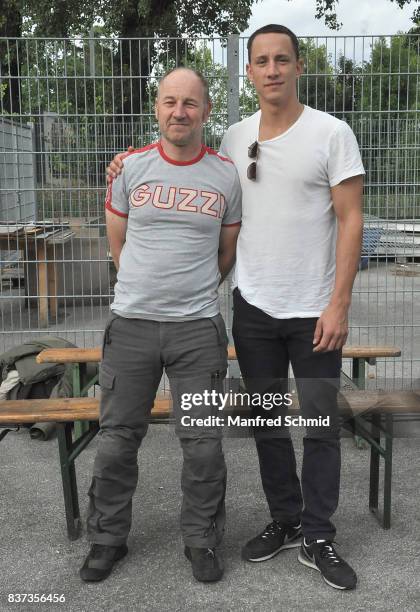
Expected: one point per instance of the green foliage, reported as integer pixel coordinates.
(59, 76)
(327, 9)
(126, 19)
(248, 99)
(316, 85)
(391, 80)
(57, 18)
(3, 89)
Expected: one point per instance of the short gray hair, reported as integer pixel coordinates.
(197, 73)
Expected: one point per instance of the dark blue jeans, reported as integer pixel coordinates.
(265, 348)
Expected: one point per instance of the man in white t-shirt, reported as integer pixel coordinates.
(297, 256)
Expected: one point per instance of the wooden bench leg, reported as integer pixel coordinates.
(359, 380)
(376, 450)
(68, 475)
(386, 523)
(374, 465)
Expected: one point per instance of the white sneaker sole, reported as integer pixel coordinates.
(288, 545)
(313, 565)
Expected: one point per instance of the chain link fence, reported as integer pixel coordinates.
(74, 103)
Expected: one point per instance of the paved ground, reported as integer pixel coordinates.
(36, 556)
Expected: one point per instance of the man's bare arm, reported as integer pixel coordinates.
(227, 249)
(332, 326)
(116, 228)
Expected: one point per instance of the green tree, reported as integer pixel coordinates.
(388, 125)
(391, 77)
(327, 9)
(10, 25)
(348, 86)
(127, 19)
(316, 85)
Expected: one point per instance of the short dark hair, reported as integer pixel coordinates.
(197, 73)
(276, 29)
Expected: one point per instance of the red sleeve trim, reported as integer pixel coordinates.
(221, 157)
(142, 149)
(231, 224)
(115, 211)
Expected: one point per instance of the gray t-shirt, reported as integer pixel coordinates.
(169, 262)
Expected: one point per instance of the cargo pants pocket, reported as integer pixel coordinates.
(106, 337)
(222, 337)
(106, 377)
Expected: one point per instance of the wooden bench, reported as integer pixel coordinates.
(360, 355)
(375, 430)
(85, 355)
(364, 409)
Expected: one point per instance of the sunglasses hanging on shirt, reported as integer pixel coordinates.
(251, 171)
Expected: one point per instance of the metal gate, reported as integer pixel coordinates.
(87, 98)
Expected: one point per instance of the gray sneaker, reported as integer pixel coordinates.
(275, 538)
(320, 555)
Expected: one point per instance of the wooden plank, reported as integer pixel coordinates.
(31, 411)
(63, 409)
(384, 402)
(87, 408)
(87, 355)
(52, 280)
(70, 355)
(353, 351)
(42, 274)
(369, 352)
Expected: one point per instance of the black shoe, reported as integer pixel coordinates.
(271, 541)
(320, 555)
(100, 561)
(206, 565)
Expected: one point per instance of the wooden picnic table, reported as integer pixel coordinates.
(360, 407)
(38, 241)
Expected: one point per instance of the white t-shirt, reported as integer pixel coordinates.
(285, 262)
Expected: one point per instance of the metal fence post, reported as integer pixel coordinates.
(233, 79)
(34, 169)
(232, 117)
(92, 68)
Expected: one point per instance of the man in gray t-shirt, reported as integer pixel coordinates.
(169, 265)
(173, 218)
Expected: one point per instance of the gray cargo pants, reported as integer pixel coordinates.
(135, 352)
